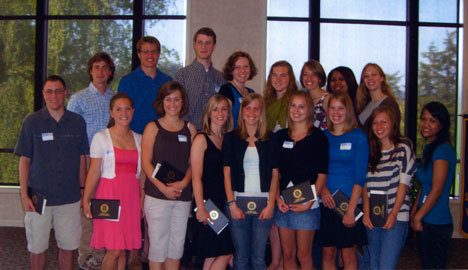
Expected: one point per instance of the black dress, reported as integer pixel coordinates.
(206, 243)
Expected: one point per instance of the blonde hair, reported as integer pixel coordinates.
(310, 110)
(363, 95)
(262, 127)
(210, 106)
(350, 122)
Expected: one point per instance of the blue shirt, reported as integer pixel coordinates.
(93, 107)
(143, 90)
(348, 157)
(440, 213)
(230, 91)
(55, 149)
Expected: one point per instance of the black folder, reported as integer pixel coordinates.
(167, 173)
(38, 200)
(105, 209)
(251, 205)
(300, 193)
(342, 204)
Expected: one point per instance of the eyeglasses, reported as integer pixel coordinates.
(54, 91)
(150, 51)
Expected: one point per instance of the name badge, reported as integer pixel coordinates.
(216, 88)
(424, 198)
(345, 146)
(240, 99)
(182, 138)
(49, 136)
(288, 144)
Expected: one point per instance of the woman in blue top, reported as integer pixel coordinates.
(347, 169)
(239, 69)
(430, 216)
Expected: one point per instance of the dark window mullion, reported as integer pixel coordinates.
(40, 56)
(314, 30)
(412, 52)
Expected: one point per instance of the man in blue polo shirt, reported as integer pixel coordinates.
(52, 147)
(142, 85)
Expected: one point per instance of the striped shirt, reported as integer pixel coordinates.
(200, 85)
(396, 167)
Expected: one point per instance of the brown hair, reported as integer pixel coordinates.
(167, 89)
(210, 106)
(350, 122)
(262, 128)
(101, 56)
(317, 69)
(269, 95)
(231, 62)
(116, 97)
(310, 110)
(148, 39)
(205, 31)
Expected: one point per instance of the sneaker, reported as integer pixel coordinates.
(91, 264)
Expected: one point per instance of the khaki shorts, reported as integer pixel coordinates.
(167, 225)
(65, 219)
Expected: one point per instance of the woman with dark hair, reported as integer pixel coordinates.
(313, 78)
(342, 79)
(167, 204)
(347, 169)
(374, 91)
(206, 160)
(239, 69)
(250, 170)
(303, 158)
(391, 167)
(430, 216)
(116, 172)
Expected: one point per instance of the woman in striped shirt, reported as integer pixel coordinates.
(391, 166)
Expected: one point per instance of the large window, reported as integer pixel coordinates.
(43, 37)
(416, 44)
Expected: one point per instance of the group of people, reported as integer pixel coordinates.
(229, 142)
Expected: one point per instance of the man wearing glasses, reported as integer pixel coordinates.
(52, 146)
(142, 85)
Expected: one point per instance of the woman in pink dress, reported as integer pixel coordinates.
(114, 173)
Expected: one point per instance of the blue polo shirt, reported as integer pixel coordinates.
(54, 149)
(143, 90)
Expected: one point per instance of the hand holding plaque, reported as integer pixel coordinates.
(167, 173)
(217, 220)
(299, 194)
(252, 206)
(105, 209)
(378, 207)
(39, 201)
(342, 204)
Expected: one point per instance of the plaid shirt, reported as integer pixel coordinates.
(93, 107)
(200, 86)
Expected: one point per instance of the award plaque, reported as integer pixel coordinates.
(217, 221)
(378, 208)
(38, 200)
(300, 193)
(167, 173)
(105, 209)
(342, 204)
(251, 205)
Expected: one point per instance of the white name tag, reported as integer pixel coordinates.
(240, 99)
(182, 138)
(49, 136)
(345, 146)
(288, 144)
(424, 198)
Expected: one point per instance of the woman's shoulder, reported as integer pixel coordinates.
(444, 149)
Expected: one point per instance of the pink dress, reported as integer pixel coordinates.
(125, 233)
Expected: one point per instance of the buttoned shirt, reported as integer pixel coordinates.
(143, 90)
(55, 149)
(93, 107)
(200, 85)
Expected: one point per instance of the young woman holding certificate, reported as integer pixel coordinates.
(347, 169)
(250, 172)
(303, 157)
(167, 203)
(115, 171)
(391, 167)
(206, 160)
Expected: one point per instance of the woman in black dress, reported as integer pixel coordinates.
(208, 183)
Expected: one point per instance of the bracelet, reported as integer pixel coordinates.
(229, 203)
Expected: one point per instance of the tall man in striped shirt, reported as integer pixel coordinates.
(92, 103)
(200, 79)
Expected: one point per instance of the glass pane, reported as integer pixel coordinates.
(71, 43)
(165, 7)
(438, 71)
(438, 11)
(287, 41)
(394, 10)
(24, 7)
(354, 45)
(90, 7)
(287, 8)
(16, 77)
(171, 34)
(8, 168)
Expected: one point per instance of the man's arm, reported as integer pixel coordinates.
(23, 167)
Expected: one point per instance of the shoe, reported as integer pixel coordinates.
(91, 264)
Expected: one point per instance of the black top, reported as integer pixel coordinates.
(302, 160)
(233, 156)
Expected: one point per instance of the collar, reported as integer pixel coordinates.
(45, 115)
(139, 71)
(200, 66)
(93, 89)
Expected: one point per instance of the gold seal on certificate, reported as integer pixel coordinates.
(251, 205)
(301, 193)
(105, 209)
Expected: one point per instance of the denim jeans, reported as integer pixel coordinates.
(249, 237)
(385, 245)
(433, 243)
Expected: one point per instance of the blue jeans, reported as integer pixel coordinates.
(433, 243)
(249, 237)
(385, 245)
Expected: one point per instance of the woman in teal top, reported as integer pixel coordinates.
(430, 216)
